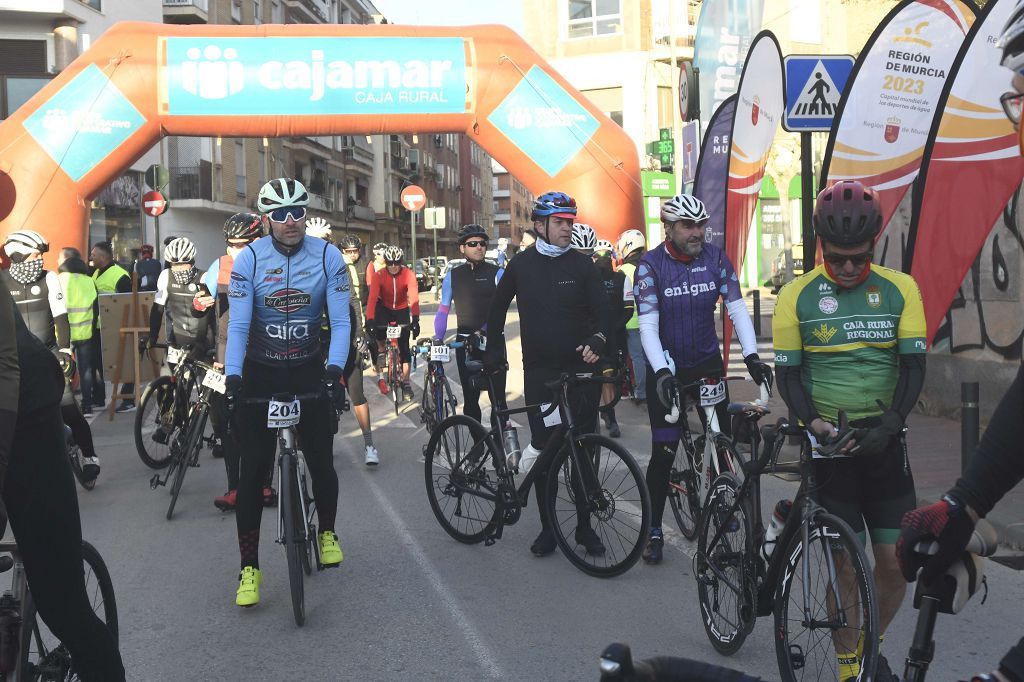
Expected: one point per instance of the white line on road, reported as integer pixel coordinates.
(469, 629)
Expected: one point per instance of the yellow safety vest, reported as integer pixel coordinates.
(630, 270)
(80, 294)
(106, 283)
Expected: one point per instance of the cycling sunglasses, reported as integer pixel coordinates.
(1012, 103)
(838, 260)
(474, 243)
(280, 215)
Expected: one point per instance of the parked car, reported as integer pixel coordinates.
(779, 266)
(423, 276)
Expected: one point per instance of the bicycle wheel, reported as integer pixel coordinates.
(827, 604)
(395, 377)
(461, 487)
(725, 586)
(188, 453)
(616, 502)
(294, 535)
(684, 494)
(44, 658)
(155, 427)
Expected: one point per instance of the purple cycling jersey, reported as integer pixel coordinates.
(685, 295)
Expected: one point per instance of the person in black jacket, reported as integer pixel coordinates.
(563, 315)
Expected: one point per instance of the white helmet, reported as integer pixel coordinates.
(630, 241)
(281, 193)
(25, 243)
(1011, 42)
(583, 237)
(604, 245)
(684, 207)
(180, 250)
(318, 227)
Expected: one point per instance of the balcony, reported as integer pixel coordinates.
(186, 11)
(309, 11)
(358, 157)
(319, 202)
(192, 182)
(357, 212)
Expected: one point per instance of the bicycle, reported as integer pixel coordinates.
(187, 442)
(393, 362)
(689, 479)
(624, 387)
(164, 407)
(472, 490)
(75, 456)
(437, 401)
(37, 655)
(814, 549)
(296, 510)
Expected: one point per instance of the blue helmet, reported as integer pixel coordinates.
(557, 204)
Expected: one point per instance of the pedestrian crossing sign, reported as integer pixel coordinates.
(814, 86)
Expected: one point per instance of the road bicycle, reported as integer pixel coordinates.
(817, 583)
(187, 441)
(699, 460)
(296, 509)
(472, 489)
(164, 407)
(437, 402)
(624, 387)
(36, 654)
(75, 457)
(393, 362)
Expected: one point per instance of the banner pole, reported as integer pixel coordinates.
(807, 199)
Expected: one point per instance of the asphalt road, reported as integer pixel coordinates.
(408, 602)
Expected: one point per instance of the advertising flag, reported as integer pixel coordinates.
(971, 169)
(713, 171)
(725, 32)
(887, 110)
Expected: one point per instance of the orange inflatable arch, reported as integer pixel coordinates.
(141, 81)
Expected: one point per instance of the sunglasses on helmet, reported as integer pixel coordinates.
(280, 215)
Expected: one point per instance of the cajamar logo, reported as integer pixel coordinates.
(824, 333)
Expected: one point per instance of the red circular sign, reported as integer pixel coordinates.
(154, 203)
(413, 197)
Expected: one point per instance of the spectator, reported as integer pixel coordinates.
(147, 268)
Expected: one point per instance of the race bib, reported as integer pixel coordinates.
(440, 353)
(174, 355)
(394, 332)
(283, 414)
(712, 392)
(215, 381)
(553, 419)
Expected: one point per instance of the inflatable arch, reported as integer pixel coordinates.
(142, 81)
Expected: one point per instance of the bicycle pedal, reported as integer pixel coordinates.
(155, 482)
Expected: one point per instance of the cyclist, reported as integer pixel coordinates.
(319, 228)
(40, 300)
(630, 248)
(377, 263)
(471, 288)
(176, 289)
(279, 286)
(39, 494)
(850, 335)
(398, 300)
(240, 230)
(677, 288)
(619, 289)
(563, 314)
(351, 251)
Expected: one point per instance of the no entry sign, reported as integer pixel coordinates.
(154, 203)
(413, 197)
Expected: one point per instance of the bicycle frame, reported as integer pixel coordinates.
(436, 376)
(712, 429)
(20, 591)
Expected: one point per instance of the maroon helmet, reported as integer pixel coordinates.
(847, 213)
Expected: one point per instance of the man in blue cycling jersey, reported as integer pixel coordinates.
(678, 285)
(280, 285)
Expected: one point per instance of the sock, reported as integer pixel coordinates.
(249, 548)
(656, 532)
(368, 438)
(849, 665)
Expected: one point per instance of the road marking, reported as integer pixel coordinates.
(469, 629)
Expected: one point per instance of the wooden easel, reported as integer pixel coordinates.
(130, 329)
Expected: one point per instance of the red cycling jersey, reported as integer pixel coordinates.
(396, 292)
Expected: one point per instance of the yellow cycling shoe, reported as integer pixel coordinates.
(330, 550)
(249, 587)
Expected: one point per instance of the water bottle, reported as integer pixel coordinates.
(512, 450)
(775, 527)
(10, 632)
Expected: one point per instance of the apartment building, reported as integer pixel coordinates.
(512, 204)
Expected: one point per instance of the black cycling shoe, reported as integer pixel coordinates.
(544, 544)
(590, 540)
(653, 550)
(883, 673)
(613, 430)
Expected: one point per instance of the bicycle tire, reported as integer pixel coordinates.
(293, 536)
(153, 454)
(196, 424)
(394, 377)
(841, 542)
(448, 401)
(459, 449)
(728, 560)
(51, 661)
(628, 506)
(684, 494)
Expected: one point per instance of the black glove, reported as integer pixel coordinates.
(334, 387)
(876, 439)
(416, 326)
(663, 381)
(948, 523)
(758, 371)
(232, 393)
(370, 328)
(595, 342)
(361, 343)
(67, 364)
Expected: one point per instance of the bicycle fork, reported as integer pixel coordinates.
(290, 458)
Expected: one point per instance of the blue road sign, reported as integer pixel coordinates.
(814, 86)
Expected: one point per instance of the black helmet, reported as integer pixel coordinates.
(466, 232)
(243, 226)
(350, 241)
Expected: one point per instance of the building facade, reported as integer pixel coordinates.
(512, 204)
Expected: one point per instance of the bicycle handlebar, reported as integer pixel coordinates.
(984, 541)
(675, 412)
(617, 664)
(284, 397)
